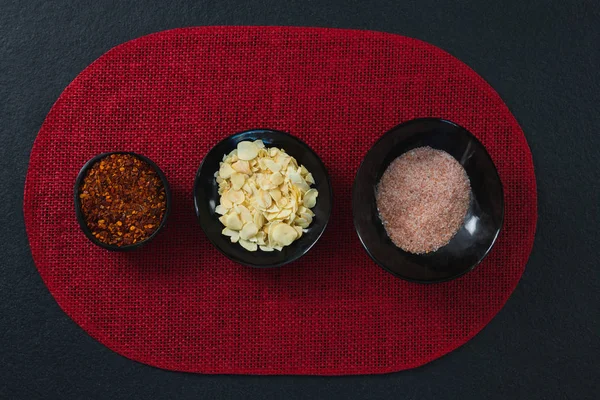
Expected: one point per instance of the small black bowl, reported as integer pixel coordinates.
(206, 198)
(79, 213)
(483, 220)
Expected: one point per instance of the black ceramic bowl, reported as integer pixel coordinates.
(79, 213)
(206, 198)
(483, 220)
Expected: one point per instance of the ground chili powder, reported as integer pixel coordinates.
(123, 200)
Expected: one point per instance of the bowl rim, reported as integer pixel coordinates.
(79, 213)
(295, 257)
(495, 169)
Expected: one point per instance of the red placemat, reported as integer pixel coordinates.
(178, 303)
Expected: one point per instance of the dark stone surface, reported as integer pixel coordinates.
(541, 56)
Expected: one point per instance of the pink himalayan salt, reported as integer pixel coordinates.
(423, 197)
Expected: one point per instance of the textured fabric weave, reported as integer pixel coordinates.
(178, 303)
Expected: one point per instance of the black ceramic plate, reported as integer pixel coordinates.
(206, 198)
(79, 213)
(482, 223)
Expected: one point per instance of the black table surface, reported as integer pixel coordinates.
(542, 56)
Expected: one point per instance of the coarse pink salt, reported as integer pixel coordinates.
(423, 197)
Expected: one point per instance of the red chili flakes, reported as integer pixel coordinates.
(123, 200)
